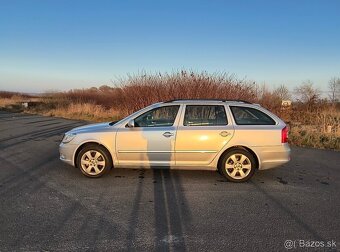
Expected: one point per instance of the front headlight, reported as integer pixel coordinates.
(68, 137)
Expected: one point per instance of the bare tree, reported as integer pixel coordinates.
(306, 93)
(262, 91)
(106, 88)
(334, 89)
(282, 92)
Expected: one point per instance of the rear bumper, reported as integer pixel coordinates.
(272, 156)
(66, 153)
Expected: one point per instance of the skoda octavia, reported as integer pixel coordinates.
(236, 138)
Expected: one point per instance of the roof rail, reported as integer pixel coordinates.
(221, 100)
(239, 101)
(194, 100)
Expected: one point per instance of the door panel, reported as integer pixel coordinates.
(199, 145)
(152, 141)
(146, 146)
(202, 132)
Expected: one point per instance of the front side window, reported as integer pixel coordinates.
(158, 117)
(250, 116)
(205, 115)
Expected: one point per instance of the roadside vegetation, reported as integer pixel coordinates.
(313, 119)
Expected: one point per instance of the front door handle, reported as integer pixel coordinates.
(224, 133)
(168, 134)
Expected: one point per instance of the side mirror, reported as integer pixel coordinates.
(131, 123)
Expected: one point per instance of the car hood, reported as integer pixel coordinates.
(97, 127)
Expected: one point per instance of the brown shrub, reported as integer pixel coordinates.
(139, 91)
(9, 95)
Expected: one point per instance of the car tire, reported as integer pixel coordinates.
(237, 165)
(94, 161)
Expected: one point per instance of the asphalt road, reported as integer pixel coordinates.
(46, 205)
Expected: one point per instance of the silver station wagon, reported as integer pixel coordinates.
(234, 137)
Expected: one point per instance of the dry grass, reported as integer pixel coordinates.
(6, 101)
(307, 136)
(83, 111)
(317, 129)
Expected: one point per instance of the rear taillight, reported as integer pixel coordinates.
(284, 135)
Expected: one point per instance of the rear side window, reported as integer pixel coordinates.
(205, 115)
(250, 116)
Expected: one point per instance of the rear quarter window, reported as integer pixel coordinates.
(250, 116)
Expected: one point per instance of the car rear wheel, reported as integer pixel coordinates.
(94, 161)
(237, 165)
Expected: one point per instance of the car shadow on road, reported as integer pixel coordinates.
(171, 211)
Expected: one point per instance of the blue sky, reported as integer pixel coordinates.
(59, 45)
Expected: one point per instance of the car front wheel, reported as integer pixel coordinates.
(94, 161)
(238, 165)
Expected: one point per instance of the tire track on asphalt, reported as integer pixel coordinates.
(48, 120)
(16, 117)
(35, 132)
(34, 175)
(39, 133)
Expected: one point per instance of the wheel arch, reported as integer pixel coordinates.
(80, 147)
(257, 160)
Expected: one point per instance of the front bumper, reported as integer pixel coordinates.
(66, 152)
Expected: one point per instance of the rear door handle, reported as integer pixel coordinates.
(224, 133)
(168, 134)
